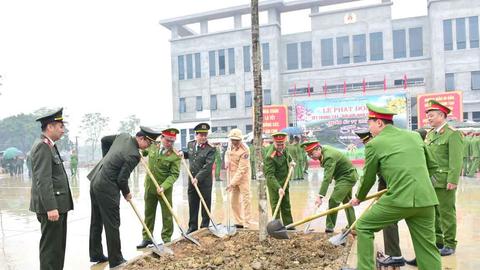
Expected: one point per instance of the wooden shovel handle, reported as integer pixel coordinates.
(289, 175)
(333, 210)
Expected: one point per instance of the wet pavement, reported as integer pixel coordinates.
(20, 230)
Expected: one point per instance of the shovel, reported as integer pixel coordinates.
(158, 249)
(182, 231)
(289, 175)
(231, 229)
(341, 238)
(216, 229)
(277, 230)
(307, 228)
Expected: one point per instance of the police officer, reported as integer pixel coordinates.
(51, 197)
(277, 160)
(447, 145)
(406, 165)
(201, 156)
(164, 164)
(239, 169)
(298, 155)
(475, 154)
(73, 163)
(336, 166)
(109, 178)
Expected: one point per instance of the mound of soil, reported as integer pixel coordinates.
(243, 251)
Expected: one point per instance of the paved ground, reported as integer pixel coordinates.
(20, 230)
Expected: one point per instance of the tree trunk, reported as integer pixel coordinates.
(258, 123)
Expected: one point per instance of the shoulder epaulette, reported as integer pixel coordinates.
(47, 142)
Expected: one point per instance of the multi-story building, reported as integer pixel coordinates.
(212, 73)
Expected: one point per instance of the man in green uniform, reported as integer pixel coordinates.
(218, 161)
(335, 166)
(73, 163)
(109, 178)
(447, 146)
(201, 156)
(277, 160)
(466, 153)
(164, 163)
(475, 150)
(51, 198)
(406, 165)
(297, 154)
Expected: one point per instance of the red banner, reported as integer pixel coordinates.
(452, 100)
(275, 118)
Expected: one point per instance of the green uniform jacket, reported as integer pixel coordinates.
(111, 174)
(164, 166)
(475, 147)
(275, 168)
(336, 166)
(405, 163)
(447, 147)
(74, 160)
(50, 188)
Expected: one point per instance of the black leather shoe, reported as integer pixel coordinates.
(119, 264)
(446, 251)
(190, 230)
(328, 230)
(412, 262)
(239, 226)
(291, 229)
(100, 259)
(145, 243)
(439, 246)
(390, 261)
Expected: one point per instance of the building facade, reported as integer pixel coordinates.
(346, 49)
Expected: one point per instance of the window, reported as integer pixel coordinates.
(189, 66)
(214, 129)
(447, 35)
(399, 44)
(248, 99)
(449, 82)
(233, 127)
(233, 100)
(475, 80)
(221, 62)
(306, 54)
(248, 128)
(191, 132)
(246, 58)
(476, 116)
(473, 31)
(292, 56)
(267, 97)
(327, 52)
(415, 41)
(461, 33)
(213, 102)
(465, 116)
(414, 122)
(376, 46)
(359, 49)
(182, 106)
(231, 61)
(343, 50)
(183, 138)
(181, 68)
(198, 69)
(266, 56)
(199, 105)
(211, 63)
(224, 129)
(410, 82)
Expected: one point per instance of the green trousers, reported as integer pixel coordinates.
(285, 212)
(474, 167)
(73, 169)
(466, 165)
(151, 202)
(298, 171)
(446, 218)
(342, 193)
(391, 239)
(218, 168)
(420, 222)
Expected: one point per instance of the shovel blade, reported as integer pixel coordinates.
(339, 239)
(218, 230)
(189, 238)
(231, 230)
(161, 250)
(276, 229)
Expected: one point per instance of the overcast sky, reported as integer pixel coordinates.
(107, 56)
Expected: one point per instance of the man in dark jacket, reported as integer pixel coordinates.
(51, 197)
(109, 178)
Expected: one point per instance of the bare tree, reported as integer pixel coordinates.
(129, 125)
(92, 126)
(258, 123)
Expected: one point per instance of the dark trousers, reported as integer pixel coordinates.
(194, 205)
(391, 239)
(53, 242)
(105, 214)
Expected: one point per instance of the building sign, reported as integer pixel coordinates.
(275, 118)
(452, 100)
(350, 18)
(333, 121)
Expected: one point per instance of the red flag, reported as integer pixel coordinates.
(405, 81)
(325, 89)
(344, 88)
(308, 89)
(364, 86)
(384, 83)
(294, 89)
